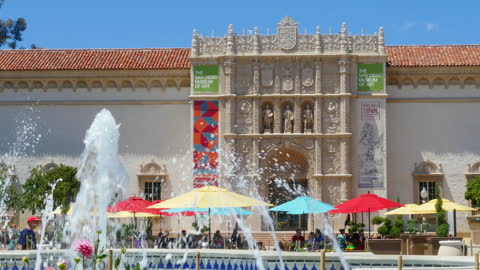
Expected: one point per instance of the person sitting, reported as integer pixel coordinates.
(342, 240)
(318, 240)
(311, 241)
(297, 239)
(235, 238)
(217, 240)
(185, 240)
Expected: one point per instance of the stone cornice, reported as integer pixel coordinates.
(92, 102)
(272, 96)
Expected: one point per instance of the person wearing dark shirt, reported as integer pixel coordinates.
(298, 239)
(27, 239)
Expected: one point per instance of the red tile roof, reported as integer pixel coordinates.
(433, 55)
(178, 58)
(94, 59)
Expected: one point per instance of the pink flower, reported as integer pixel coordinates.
(84, 248)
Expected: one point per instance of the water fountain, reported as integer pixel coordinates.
(100, 168)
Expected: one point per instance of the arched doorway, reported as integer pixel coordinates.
(286, 172)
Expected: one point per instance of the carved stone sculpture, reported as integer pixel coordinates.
(332, 117)
(287, 120)
(307, 119)
(267, 116)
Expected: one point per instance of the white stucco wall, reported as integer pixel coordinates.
(154, 124)
(432, 127)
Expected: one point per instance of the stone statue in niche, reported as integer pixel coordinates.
(287, 120)
(332, 117)
(267, 116)
(307, 119)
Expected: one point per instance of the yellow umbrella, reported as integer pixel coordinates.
(58, 211)
(407, 209)
(210, 197)
(429, 207)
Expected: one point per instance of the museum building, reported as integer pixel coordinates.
(334, 113)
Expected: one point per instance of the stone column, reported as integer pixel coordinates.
(297, 116)
(318, 77)
(277, 116)
(277, 72)
(297, 72)
(343, 71)
(229, 67)
(317, 116)
(256, 111)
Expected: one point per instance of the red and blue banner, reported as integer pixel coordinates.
(205, 143)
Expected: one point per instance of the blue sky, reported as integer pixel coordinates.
(163, 23)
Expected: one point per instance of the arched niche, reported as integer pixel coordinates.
(49, 166)
(428, 175)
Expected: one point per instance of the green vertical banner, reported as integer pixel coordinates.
(370, 77)
(205, 79)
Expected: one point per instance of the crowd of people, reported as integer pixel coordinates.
(184, 240)
(317, 241)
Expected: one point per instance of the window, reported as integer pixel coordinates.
(153, 191)
(429, 187)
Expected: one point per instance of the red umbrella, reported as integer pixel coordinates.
(132, 205)
(364, 203)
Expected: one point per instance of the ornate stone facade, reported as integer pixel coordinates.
(289, 93)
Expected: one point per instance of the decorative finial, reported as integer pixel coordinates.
(343, 39)
(230, 41)
(256, 43)
(318, 41)
(381, 41)
(194, 43)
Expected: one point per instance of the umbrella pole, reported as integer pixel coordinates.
(209, 226)
(454, 222)
(369, 228)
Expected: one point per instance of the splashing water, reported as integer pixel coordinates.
(47, 217)
(329, 232)
(103, 179)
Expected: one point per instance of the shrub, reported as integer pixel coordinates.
(442, 225)
(385, 228)
(397, 227)
(355, 227)
(412, 227)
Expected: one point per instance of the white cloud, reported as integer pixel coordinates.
(431, 27)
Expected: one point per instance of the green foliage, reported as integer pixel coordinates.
(355, 227)
(397, 227)
(11, 30)
(412, 226)
(99, 254)
(119, 258)
(38, 186)
(386, 225)
(442, 225)
(472, 192)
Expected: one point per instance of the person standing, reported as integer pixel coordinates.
(27, 239)
(13, 234)
(342, 240)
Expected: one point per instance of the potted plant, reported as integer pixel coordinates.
(387, 244)
(442, 225)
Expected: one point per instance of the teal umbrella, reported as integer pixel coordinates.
(303, 205)
(227, 211)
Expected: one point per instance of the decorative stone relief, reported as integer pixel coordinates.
(287, 78)
(267, 75)
(331, 116)
(332, 157)
(152, 168)
(287, 33)
(307, 75)
(243, 81)
(244, 121)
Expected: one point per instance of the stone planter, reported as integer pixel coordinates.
(450, 248)
(385, 246)
(435, 245)
(419, 245)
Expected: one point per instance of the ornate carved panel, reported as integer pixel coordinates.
(331, 159)
(287, 73)
(244, 116)
(244, 79)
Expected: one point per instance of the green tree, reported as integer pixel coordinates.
(9, 190)
(11, 30)
(442, 225)
(386, 227)
(39, 185)
(472, 192)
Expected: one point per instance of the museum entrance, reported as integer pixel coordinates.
(286, 174)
